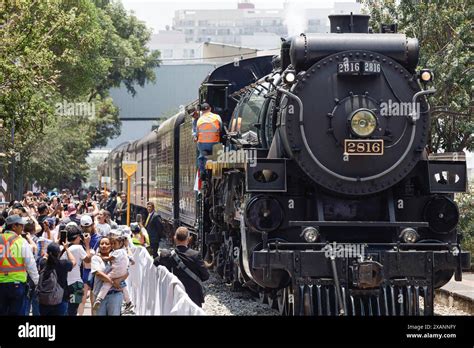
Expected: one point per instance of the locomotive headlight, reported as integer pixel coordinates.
(426, 75)
(409, 235)
(264, 214)
(289, 77)
(363, 122)
(310, 234)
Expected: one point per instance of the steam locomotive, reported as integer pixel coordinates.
(322, 196)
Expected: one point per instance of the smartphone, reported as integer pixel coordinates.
(62, 236)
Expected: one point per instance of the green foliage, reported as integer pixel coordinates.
(465, 203)
(133, 63)
(74, 51)
(444, 30)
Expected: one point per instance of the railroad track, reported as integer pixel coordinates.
(220, 300)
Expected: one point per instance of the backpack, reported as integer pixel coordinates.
(48, 289)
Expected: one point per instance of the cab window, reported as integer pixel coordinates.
(250, 113)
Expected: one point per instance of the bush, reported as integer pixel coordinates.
(466, 218)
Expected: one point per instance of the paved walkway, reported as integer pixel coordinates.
(464, 288)
(88, 308)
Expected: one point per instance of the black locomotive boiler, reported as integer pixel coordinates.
(322, 196)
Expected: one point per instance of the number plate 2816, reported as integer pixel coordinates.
(363, 147)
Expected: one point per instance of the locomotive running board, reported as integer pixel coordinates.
(359, 223)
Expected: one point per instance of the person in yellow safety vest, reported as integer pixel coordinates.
(138, 239)
(208, 129)
(16, 261)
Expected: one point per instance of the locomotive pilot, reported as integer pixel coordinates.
(208, 131)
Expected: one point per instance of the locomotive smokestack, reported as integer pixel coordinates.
(350, 23)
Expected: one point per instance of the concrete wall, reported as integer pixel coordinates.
(175, 85)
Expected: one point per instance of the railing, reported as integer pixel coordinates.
(156, 291)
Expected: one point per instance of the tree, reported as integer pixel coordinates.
(134, 62)
(66, 51)
(444, 30)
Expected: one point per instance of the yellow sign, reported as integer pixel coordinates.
(129, 167)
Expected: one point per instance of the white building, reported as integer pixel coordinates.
(173, 47)
(175, 51)
(93, 160)
(194, 32)
(227, 26)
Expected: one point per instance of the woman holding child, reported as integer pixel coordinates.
(101, 265)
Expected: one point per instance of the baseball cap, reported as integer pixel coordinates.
(17, 205)
(125, 230)
(71, 223)
(115, 233)
(86, 221)
(15, 219)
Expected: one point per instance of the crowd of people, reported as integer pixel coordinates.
(57, 252)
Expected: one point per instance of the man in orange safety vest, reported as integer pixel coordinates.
(208, 130)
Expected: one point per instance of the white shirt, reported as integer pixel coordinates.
(103, 229)
(120, 262)
(79, 254)
(30, 263)
(54, 233)
(97, 264)
(145, 234)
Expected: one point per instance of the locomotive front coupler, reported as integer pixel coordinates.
(387, 261)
